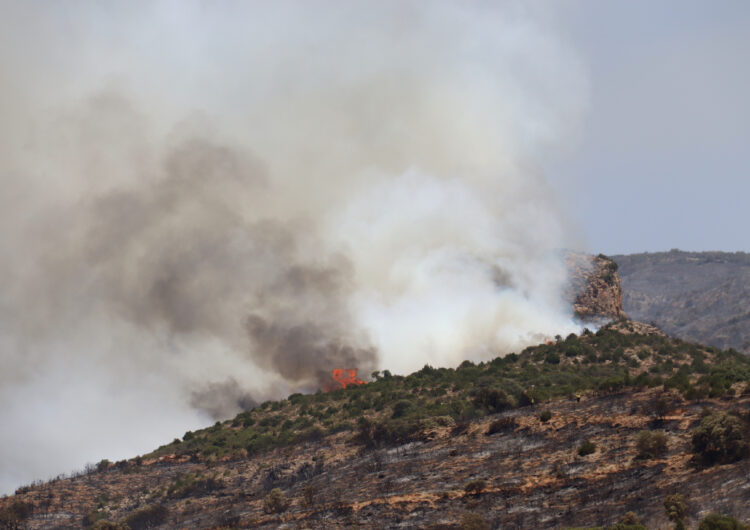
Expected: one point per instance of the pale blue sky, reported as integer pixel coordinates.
(664, 157)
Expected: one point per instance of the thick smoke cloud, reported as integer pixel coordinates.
(205, 206)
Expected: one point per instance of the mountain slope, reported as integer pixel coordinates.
(442, 447)
(698, 296)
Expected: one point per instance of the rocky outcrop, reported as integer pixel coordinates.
(595, 289)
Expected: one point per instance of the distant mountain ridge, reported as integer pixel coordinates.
(696, 296)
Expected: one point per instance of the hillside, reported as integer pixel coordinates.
(500, 444)
(698, 296)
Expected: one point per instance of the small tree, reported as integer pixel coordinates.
(545, 416)
(660, 405)
(720, 438)
(308, 493)
(676, 508)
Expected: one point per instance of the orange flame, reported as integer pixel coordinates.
(345, 377)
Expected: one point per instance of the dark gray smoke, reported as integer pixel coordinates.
(207, 205)
(216, 398)
(177, 250)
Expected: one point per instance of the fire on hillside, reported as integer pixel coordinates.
(343, 378)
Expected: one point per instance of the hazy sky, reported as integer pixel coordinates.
(663, 159)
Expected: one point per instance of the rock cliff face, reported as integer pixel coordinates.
(595, 289)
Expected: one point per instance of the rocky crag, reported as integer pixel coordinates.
(595, 290)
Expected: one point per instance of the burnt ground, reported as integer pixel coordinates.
(533, 477)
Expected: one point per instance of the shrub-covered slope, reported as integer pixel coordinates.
(618, 356)
(572, 433)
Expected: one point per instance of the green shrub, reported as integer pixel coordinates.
(545, 416)
(630, 519)
(651, 444)
(193, 485)
(493, 400)
(400, 408)
(475, 487)
(714, 521)
(149, 516)
(586, 448)
(552, 358)
(392, 432)
(275, 501)
(720, 438)
(473, 521)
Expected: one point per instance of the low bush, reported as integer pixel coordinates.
(493, 400)
(651, 444)
(629, 521)
(400, 408)
(473, 521)
(193, 485)
(714, 521)
(501, 425)
(475, 487)
(275, 502)
(388, 433)
(586, 448)
(148, 516)
(545, 416)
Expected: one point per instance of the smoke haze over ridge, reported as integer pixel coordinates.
(205, 206)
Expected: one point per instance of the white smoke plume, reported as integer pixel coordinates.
(208, 204)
